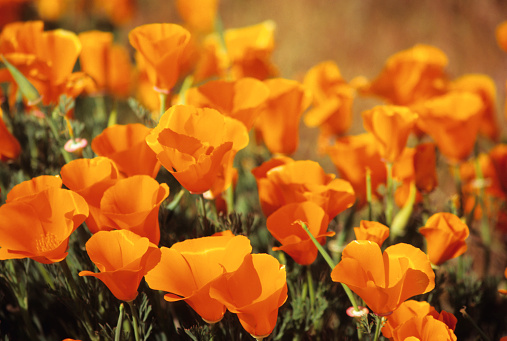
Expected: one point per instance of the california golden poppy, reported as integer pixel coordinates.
(425, 167)
(384, 280)
(445, 236)
(285, 225)
(198, 15)
(372, 231)
(501, 35)
(160, 46)
(38, 219)
(406, 311)
(9, 145)
(196, 145)
(424, 328)
(254, 292)
(187, 269)
(123, 258)
(126, 146)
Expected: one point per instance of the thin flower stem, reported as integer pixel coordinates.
(368, 194)
(117, 332)
(187, 83)
(311, 290)
(162, 97)
(44, 273)
(389, 194)
(485, 232)
(379, 321)
(459, 189)
(204, 215)
(479, 330)
(229, 199)
(134, 319)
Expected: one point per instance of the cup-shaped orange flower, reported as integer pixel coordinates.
(285, 225)
(160, 46)
(384, 280)
(424, 328)
(241, 99)
(445, 236)
(391, 125)
(187, 269)
(198, 15)
(123, 258)
(278, 122)
(196, 145)
(254, 292)
(38, 219)
(133, 204)
(405, 312)
(372, 231)
(126, 146)
(9, 145)
(300, 181)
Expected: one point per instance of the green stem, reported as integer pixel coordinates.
(379, 321)
(204, 215)
(311, 290)
(187, 84)
(389, 194)
(472, 322)
(485, 231)
(162, 97)
(368, 194)
(229, 199)
(117, 332)
(44, 273)
(134, 320)
(459, 189)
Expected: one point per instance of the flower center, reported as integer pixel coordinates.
(46, 242)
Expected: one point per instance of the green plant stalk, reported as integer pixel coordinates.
(459, 189)
(485, 231)
(162, 98)
(187, 84)
(229, 199)
(113, 115)
(311, 289)
(368, 194)
(389, 195)
(205, 221)
(134, 320)
(117, 332)
(402, 218)
(379, 321)
(44, 273)
(479, 330)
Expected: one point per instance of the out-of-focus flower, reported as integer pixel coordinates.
(11, 10)
(425, 167)
(38, 218)
(9, 145)
(278, 122)
(285, 225)
(108, 64)
(372, 231)
(424, 328)
(445, 236)
(241, 99)
(354, 156)
(501, 35)
(126, 146)
(390, 125)
(119, 12)
(160, 46)
(352, 312)
(300, 181)
(411, 76)
(199, 15)
(254, 292)
(404, 172)
(197, 145)
(385, 280)
(51, 10)
(75, 146)
(123, 258)
(187, 270)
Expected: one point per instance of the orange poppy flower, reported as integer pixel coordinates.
(404, 172)
(424, 328)
(9, 145)
(106, 63)
(411, 76)
(385, 280)
(196, 145)
(254, 292)
(300, 181)
(332, 99)
(198, 15)
(284, 225)
(160, 46)
(354, 156)
(126, 146)
(12, 10)
(38, 218)
(119, 12)
(453, 121)
(123, 258)
(372, 231)
(278, 122)
(445, 235)
(391, 125)
(498, 155)
(90, 178)
(405, 312)
(187, 270)
(501, 35)
(425, 167)
(241, 99)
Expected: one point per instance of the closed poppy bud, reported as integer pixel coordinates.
(196, 145)
(424, 328)
(278, 122)
(160, 46)
(187, 270)
(384, 280)
(254, 292)
(123, 258)
(126, 146)
(425, 167)
(38, 219)
(445, 236)
(391, 125)
(372, 231)
(405, 312)
(9, 145)
(285, 225)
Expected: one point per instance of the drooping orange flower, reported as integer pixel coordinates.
(385, 280)
(354, 156)
(278, 122)
(9, 145)
(196, 145)
(424, 328)
(123, 258)
(126, 146)
(372, 231)
(187, 270)
(160, 46)
(445, 236)
(198, 15)
(38, 218)
(300, 181)
(391, 125)
(285, 225)
(241, 99)
(453, 121)
(108, 64)
(90, 178)
(411, 76)
(254, 292)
